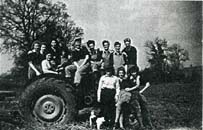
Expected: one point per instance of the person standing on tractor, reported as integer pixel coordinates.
(107, 94)
(119, 58)
(131, 52)
(34, 60)
(107, 55)
(80, 57)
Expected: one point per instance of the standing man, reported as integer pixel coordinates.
(131, 52)
(107, 55)
(107, 94)
(80, 57)
(119, 58)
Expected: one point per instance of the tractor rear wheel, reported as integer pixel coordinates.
(48, 101)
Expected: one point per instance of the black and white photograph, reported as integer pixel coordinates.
(101, 65)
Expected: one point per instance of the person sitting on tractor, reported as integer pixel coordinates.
(80, 57)
(48, 65)
(95, 59)
(43, 50)
(55, 51)
(34, 60)
(65, 60)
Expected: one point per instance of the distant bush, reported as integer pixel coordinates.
(186, 75)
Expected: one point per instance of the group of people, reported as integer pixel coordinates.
(118, 87)
(79, 58)
(120, 98)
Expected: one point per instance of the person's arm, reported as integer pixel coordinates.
(117, 89)
(136, 86)
(30, 58)
(100, 55)
(135, 57)
(125, 58)
(46, 69)
(76, 64)
(99, 89)
(34, 68)
(85, 60)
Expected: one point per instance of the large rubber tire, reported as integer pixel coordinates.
(48, 101)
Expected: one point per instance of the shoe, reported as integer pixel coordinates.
(77, 84)
(115, 126)
(141, 128)
(122, 128)
(150, 128)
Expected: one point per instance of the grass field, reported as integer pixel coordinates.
(173, 106)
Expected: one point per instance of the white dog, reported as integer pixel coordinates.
(96, 120)
(99, 122)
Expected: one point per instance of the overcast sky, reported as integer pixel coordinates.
(114, 20)
(178, 22)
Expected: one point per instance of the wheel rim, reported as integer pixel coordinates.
(49, 108)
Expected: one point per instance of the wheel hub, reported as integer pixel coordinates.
(49, 108)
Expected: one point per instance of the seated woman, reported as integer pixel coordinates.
(34, 60)
(48, 65)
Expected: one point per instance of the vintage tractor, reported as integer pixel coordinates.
(50, 99)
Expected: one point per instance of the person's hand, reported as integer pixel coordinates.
(147, 84)
(102, 65)
(38, 73)
(98, 100)
(127, 89)
(116, 98)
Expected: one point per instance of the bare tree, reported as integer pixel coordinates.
(156, 54)
(177, 56)
(24, 21)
